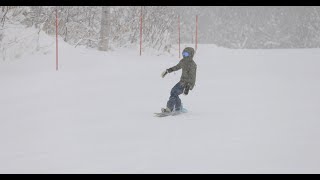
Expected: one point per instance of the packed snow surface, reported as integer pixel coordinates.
(251, 111)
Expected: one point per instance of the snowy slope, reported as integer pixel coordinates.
(252, 111)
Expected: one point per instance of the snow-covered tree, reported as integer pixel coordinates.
(226, 26)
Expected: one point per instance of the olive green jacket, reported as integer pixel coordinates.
(189, 69)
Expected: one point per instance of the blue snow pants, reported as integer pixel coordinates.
(174, 100)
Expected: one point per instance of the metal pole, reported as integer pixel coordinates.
(196, 32)
(57, 62)
(179, 33)
(141, 31)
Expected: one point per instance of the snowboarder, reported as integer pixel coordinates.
(186, 83)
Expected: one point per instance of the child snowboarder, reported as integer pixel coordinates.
(186, 83)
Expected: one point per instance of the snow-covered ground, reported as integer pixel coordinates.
(251, 111)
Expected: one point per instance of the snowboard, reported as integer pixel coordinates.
(174, 113)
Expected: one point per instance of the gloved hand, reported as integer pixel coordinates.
(164, 73)
(186, 90)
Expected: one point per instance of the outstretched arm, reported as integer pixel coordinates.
(174, 68)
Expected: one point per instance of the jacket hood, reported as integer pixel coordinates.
(190, 50)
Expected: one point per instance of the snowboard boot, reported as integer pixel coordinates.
(166, 110)
(179, 108)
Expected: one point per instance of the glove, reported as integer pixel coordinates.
(164, 73)
(186, 90)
